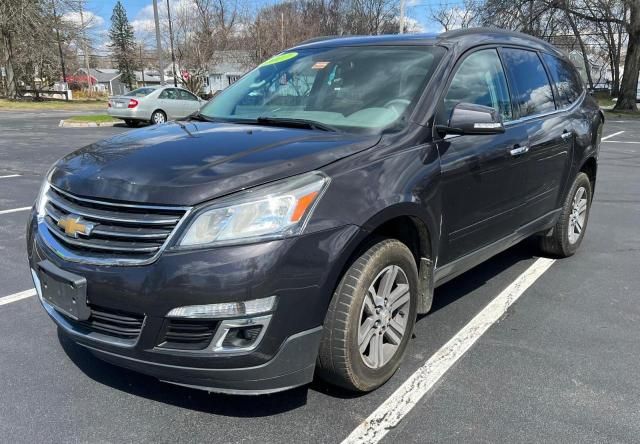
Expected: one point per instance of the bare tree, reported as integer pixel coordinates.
(455, 17)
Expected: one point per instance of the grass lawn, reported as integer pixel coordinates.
(30, 105)
(95, 118)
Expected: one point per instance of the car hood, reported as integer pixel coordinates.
(191, 162)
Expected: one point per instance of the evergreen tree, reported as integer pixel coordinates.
(123, 44)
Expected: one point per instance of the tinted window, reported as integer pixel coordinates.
(186, 95)
(530, 85)
(168, 93)
(566, 78)
(140, 92)
(479, 80)
(353, 88)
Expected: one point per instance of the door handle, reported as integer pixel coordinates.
(518, 150)
(567, 135)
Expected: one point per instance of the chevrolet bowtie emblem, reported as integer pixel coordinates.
(74, 225)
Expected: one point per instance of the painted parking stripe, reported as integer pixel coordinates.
(9, 175)
(620, 141)
(400, 403)
(14, 210)
(612, 135)
(17, 296)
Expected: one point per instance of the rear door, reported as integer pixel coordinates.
(480, 176)
(168, 102)
(189, 103)
(549, 133)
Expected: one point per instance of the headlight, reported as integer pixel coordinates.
(269, 212)
(41, 200)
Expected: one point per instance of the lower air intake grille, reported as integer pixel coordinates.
(116, 324)
(187, 334)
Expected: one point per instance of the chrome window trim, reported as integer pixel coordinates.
(549, 113)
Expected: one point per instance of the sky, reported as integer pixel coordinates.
(140, 13)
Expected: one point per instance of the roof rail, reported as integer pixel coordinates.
(320, 39)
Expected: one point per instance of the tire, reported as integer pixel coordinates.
(131, 123)
(341, 361)
(561, 242)
(158, 117)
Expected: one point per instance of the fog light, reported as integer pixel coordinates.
(225, 309)
(241, 337)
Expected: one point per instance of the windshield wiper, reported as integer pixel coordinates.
(198, 116)
(296, 123)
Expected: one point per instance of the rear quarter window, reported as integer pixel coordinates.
(566, 78)
(530, 85)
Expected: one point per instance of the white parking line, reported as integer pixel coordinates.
(612, 135)
(9, 175)
(400, 403)
(17, 296)
(14, 210)
(619, 141)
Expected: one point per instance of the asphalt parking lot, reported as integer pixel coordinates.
(560, 365)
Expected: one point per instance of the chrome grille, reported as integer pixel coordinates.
(134, 233)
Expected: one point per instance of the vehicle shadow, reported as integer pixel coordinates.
(237, 406)
(148, 387)
(478, 276)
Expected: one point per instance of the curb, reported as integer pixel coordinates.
(67, 124)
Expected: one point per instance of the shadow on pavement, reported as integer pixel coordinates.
(150, 388)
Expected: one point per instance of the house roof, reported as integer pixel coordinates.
(103, 74)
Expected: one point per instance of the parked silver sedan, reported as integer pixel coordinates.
(153, 104)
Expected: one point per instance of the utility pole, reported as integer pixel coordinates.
(56, 21)
(84, 49)
(402, 16)
(158, 41)
(282, 30)
(173, 55)
(142, 65)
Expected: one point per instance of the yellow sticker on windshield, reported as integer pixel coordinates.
(279, 58)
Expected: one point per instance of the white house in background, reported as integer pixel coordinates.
(152, 78)
(227, 67)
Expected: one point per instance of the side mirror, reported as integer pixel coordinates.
(468, 118)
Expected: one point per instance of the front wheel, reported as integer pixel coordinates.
(567, 234)
(370, 319)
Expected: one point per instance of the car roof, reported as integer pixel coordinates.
(462, 38)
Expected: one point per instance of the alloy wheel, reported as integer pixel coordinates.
(578, 214)
(383, 316)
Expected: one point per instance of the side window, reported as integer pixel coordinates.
(168, 93)
(186, 95)
(566, 79)
(531, 89)
(479, 80)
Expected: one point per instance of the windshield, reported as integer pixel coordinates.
(140, 92)
(361, 88)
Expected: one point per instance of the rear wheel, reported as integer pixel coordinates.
(158, 117)
(370, 318)
(569, 230)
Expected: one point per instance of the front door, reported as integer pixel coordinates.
(481, 174)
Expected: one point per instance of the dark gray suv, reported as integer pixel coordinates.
(297, 224)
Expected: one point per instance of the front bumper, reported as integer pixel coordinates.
(301, 272)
